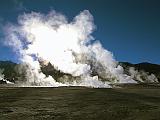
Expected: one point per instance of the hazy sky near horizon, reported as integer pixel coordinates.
(130, 29)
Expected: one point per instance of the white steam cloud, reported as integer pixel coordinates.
(2, 79)
(1, 74)
(67, 46)
(142, 76)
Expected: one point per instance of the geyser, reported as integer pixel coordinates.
(67, 46)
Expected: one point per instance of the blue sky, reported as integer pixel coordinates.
(128, 28)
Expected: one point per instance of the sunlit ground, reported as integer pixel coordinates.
(128, 103)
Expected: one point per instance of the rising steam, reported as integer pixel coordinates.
(142, 76)
(2, 79)
(67, 46)
(1, 74)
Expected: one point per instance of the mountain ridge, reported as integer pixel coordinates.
(10, 70)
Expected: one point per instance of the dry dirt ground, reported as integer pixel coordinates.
(79, 103)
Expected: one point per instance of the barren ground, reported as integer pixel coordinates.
(79, 103)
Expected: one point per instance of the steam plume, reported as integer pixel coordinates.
(1, 74)
(142, 76)
(67, 46)
(2, 79)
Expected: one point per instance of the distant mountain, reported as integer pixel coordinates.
(13, 74)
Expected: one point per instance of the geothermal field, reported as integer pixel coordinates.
(64, 73)
(67, 50)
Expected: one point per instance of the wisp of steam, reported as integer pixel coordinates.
(68, 45)
(2, 79)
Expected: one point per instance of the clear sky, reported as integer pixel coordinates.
(128, 28)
